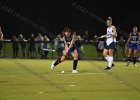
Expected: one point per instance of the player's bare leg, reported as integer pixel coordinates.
(54, 64)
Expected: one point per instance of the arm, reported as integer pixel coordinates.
(65, 43)
(103, 36)
(1, 34)
(129, 39)
(114, 33)
(72, 42)
(139, 35)
(139, 38)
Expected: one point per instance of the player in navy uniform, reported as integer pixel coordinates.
(70, 48)
(133, 43)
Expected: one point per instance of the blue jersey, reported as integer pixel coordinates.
(68, 40)
(133, 44)
(134, 39)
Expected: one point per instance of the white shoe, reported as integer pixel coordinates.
(135, 65)
(74, 71)
(52, 66)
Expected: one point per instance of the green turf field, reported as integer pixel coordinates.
(22, 79)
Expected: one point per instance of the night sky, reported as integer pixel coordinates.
(54, 15)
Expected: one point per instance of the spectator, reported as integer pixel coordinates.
(40, 40)
(86, 36)
(22, 42)
(100, 49)
(1, 42)
(46, 46)
(115, 54)
(32, 48)
(95, 43)
(59, 45)
(80, 48)
(15, 46)
(121, 44)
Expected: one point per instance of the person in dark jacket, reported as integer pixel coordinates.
(22, 42)
(15, 46)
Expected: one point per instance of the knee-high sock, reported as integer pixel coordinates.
(128, 59)
(110, 62)
(57, 62)
(107, 58)
(75, 64)
(134, 60)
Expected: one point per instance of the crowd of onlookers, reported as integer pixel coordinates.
(39, 46)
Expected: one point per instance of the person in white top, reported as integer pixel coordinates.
(109, 43)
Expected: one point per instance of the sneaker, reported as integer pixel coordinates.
(107, 68)
(74, 71)
(127, 63)
(52, 66)
(135, 65)
(112, 65)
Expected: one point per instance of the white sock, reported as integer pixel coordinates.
(110, 61)
(107, 58)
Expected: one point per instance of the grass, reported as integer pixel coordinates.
(22, 79)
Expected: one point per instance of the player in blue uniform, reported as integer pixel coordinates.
(133, 43)
(70, 48)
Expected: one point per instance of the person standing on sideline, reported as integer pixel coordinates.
(59, 45)
(22, 42)
(109, 43)
(46, 46)
(15, 46)
(40, 40)
(1, 42)
(121, 44)
(32, 46)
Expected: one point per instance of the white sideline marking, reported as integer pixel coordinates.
(7, 76)
(83, 74)
(72, 85)
(40, 92)
(94, 73)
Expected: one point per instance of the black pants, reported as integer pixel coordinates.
(1, 47)
(15, 52)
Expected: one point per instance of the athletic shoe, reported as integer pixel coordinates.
(112, 65)
(107, 68)
(52, 66)
(135, 65)
(74, 71)
(127, 63)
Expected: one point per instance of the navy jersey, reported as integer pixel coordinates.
(134, 39)
(68, 40)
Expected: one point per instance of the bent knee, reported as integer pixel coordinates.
(76, 57)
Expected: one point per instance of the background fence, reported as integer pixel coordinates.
(87, 50)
